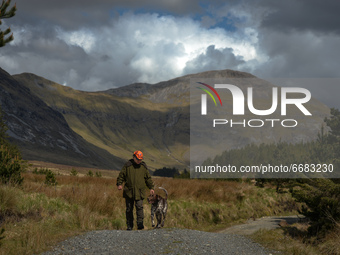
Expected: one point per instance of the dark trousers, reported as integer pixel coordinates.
(129, 212)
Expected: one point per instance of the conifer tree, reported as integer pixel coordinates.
(10, 158)
(4, 14)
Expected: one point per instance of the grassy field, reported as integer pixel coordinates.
(36, 216)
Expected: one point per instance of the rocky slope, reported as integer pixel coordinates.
(43, 133)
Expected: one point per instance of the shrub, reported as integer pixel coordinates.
(74, 172)
(50, 179)
(322, 197)
(10, 167)
(90, 173)
(41, 171)
(98, 174)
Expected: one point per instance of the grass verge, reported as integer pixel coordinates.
(294, 240)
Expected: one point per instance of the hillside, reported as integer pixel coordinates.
(154, 118)
(118, 124)
(43, 133)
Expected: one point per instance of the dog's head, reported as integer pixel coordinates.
(153, 198)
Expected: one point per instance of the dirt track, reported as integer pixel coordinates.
(232, 240)
(251, 226)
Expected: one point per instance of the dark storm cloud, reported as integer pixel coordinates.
(66, 14)
(299, 38)
(299, 55)
(79, 13)
(303, 15)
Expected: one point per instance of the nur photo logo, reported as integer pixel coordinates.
(240, 101)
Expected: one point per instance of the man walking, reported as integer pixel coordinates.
(136, 177)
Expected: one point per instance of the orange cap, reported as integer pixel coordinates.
(138, 154)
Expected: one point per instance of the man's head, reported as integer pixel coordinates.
(138, 157)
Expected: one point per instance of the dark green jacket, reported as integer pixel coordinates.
(136, 178)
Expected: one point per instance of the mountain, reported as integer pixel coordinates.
(43, 133)
(113, 123)
(118, 124)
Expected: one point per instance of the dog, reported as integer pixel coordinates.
(159, 206)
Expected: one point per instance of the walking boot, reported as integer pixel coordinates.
(140, 225)
(129, 226)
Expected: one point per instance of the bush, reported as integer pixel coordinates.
(10, 167)
(41, 171)
(90, 173)
(50, 179)
(98, 174)
(322, 197)
(74, 172)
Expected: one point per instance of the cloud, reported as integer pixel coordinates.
(132, 48)
(303, 15)
(97, 45)
(299, 55)
(75, 14)
(214, 59)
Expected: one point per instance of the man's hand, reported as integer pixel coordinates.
(152, 192)
(120, 187)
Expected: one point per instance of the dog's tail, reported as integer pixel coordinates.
(166, 192)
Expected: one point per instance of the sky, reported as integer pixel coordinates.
(103, 44)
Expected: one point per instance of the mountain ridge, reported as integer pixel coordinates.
(154, 118)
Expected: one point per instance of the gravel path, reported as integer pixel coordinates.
(158, 241)
(269, 222)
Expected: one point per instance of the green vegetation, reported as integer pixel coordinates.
(320, 197)
(11, 169)
(41, 171)
(10, 159)
(37, 216)
(50, 179)
(4, 14)
(10, 166)
(171, 172)
(50, 176)
(90, 173)
(74, 172)
(166, 172)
